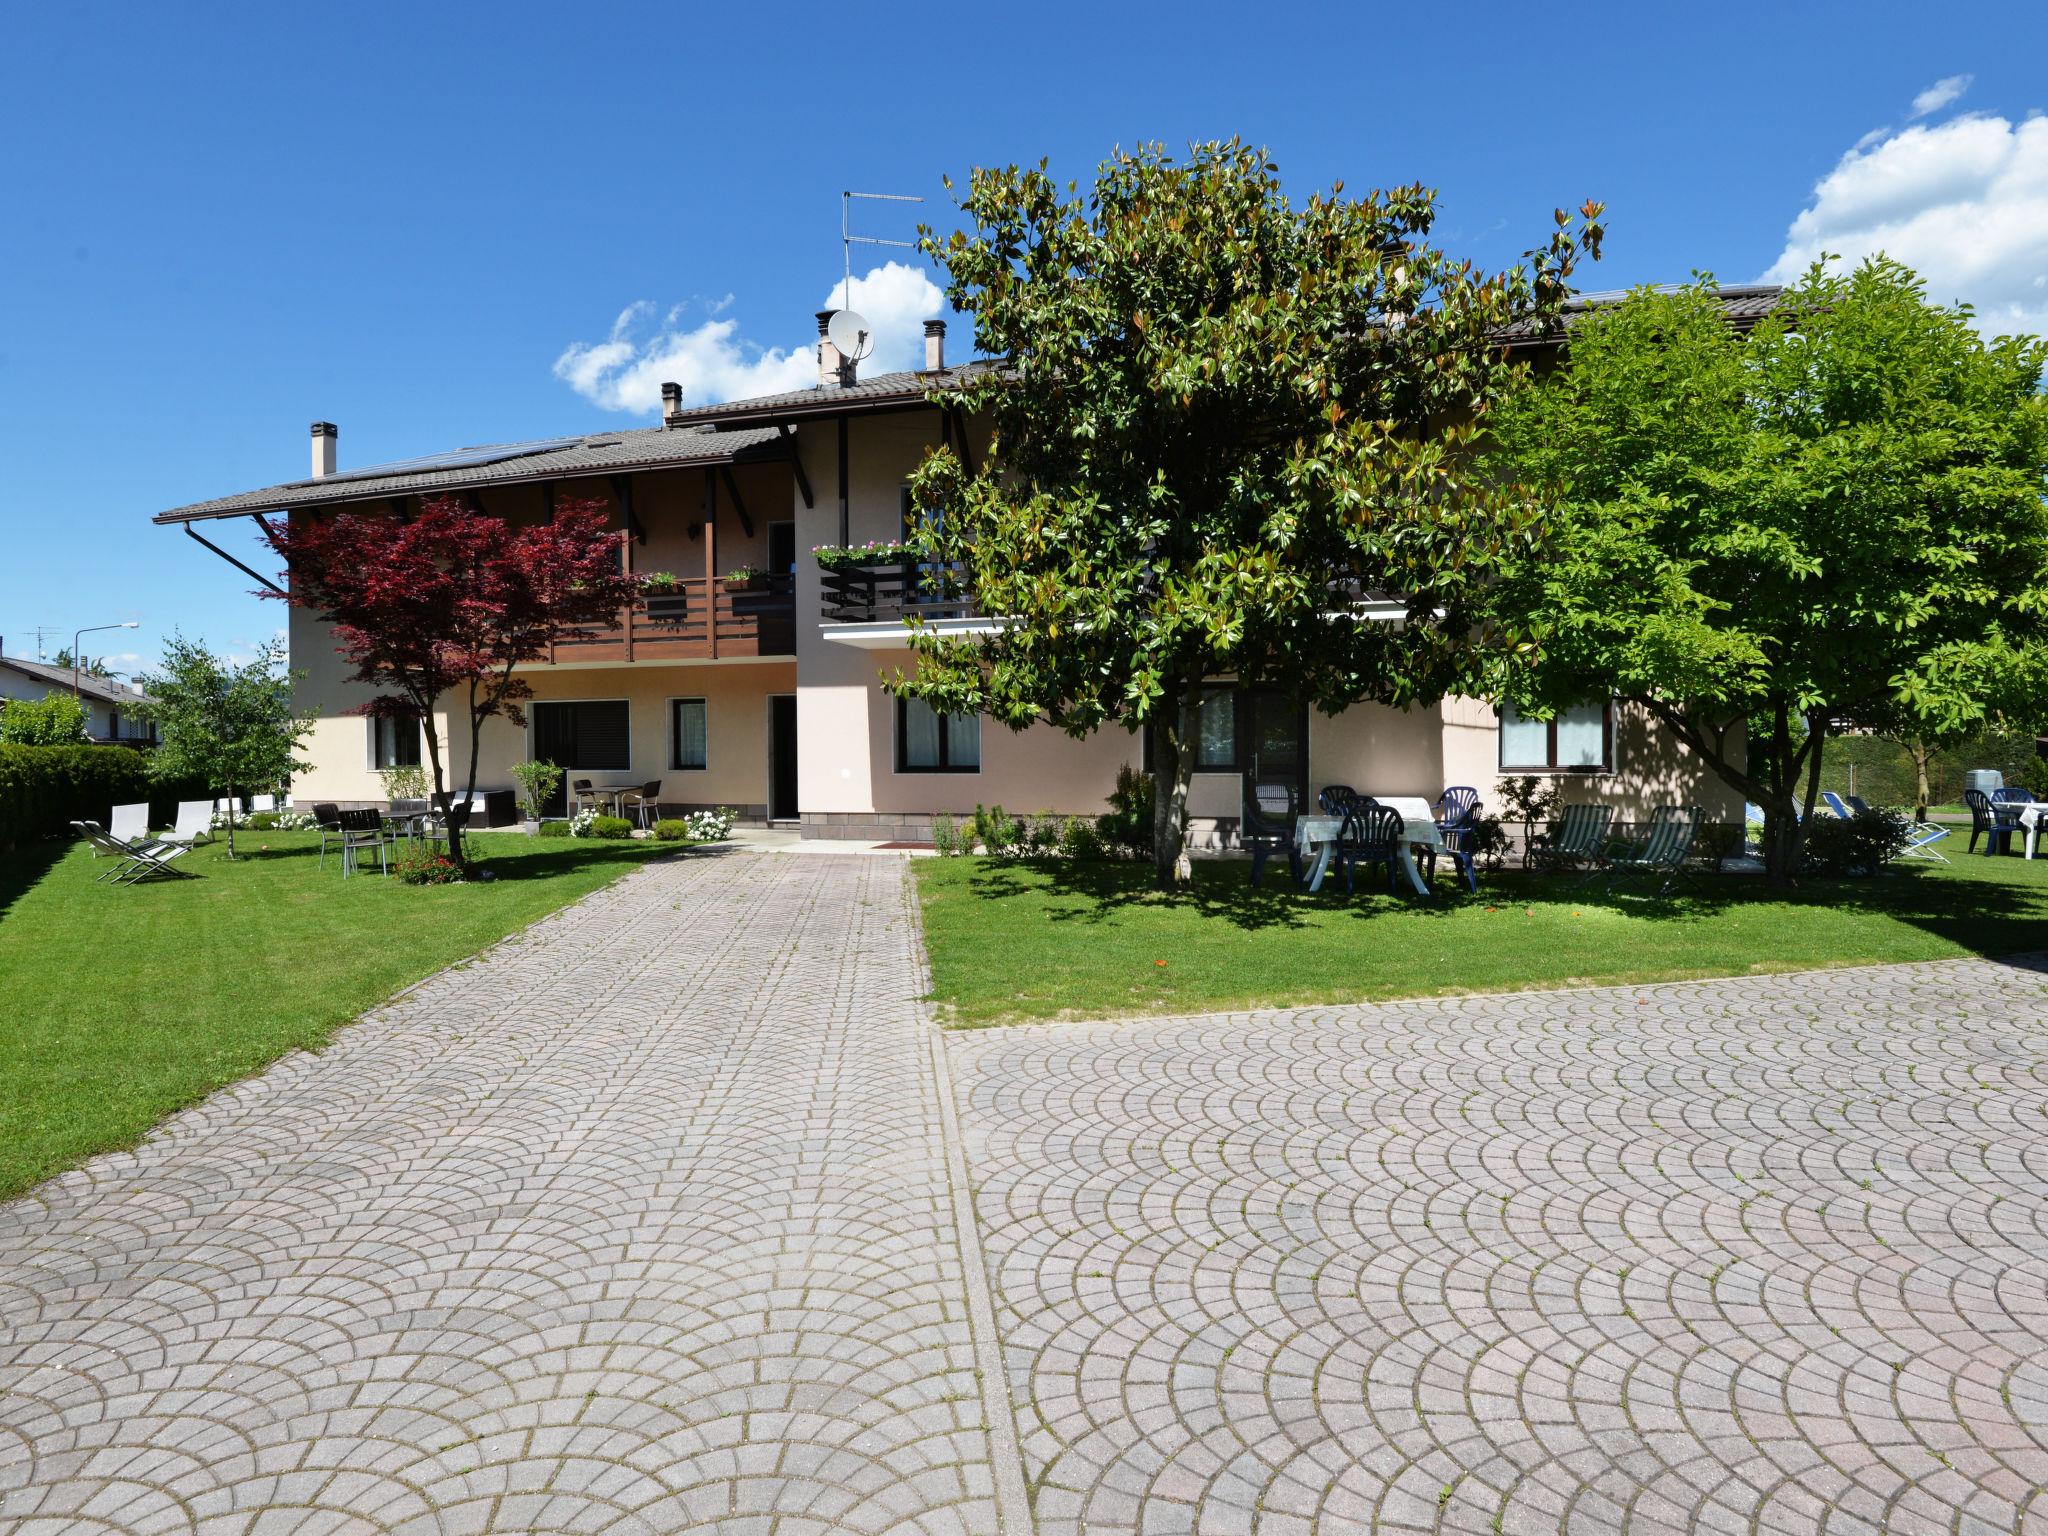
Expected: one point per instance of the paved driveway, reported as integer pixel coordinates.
(659, 1219)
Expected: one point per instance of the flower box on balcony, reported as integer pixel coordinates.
(744, 580)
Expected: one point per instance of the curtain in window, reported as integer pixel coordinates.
(690, 742)
(1218, 747)
(1582, 736)
(963, 741)
(920, 735)
(1523, 743)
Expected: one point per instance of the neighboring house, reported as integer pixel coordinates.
(770, 699)
(110, 707)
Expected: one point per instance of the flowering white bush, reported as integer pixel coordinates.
(580, 823)
(710, 826)
(295, 821)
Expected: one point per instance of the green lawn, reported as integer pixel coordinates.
(1012, 941)
(124, 1004)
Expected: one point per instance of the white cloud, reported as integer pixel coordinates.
(1964, 203)
(1948, 89)
(713, 361)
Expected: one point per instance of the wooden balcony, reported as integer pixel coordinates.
(693, 625)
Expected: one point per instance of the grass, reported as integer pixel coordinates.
(1015, 940)
(123, 1005)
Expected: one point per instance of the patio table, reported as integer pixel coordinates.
(613, 793)
(1316, 837)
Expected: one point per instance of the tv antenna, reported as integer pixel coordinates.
(848, 239)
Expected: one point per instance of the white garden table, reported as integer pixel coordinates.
(2031, 818)
(1316, 837)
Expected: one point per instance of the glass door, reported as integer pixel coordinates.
(1275, 743)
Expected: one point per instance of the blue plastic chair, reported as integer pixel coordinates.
(1994, 821)
(1337, 799)
(1268, 827)
(1459, 803)
(1370, 835)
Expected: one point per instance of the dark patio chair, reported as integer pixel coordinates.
(1459, 803)
(579, 791)
(362, 829)
(1268, 827)
(1336, 799)
(647, 800)
(328, 816)
(1993, 820)
(1460, 834)
(1371, 834)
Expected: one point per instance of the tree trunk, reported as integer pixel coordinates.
(1173, 763)
(440, 791)
(1918, 750)
(234, 803)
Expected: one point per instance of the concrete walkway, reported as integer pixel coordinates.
(659, 1218)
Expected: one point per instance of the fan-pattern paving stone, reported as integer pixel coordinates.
(1762, 1255)
(640, 1223)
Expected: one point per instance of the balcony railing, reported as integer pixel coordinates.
(699, 621)
(893, 591)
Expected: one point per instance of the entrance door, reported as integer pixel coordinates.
(782, 757)
(1275, 743)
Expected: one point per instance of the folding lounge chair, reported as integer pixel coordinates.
(1835, 804)
(1580, 841)
(130, 824)
(136, 861)
(1921, 845)
(1664, 851)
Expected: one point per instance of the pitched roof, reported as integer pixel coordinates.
(883, 390)
(598, 453)
(1743, 305)
(105, 689)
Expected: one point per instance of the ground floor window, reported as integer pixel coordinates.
(687, 743)
(1575, 740)
(928, 742)
(394, 743)
(582, 734)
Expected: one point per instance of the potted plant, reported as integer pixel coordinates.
(538, 782)
(831, 557)
(746, 578)
(661, 583)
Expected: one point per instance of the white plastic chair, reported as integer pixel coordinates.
(262, 803)
(194, 823)
(130, 823)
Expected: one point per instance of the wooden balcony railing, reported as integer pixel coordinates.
(693, 624)
(882, 593)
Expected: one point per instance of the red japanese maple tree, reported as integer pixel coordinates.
(452, 601)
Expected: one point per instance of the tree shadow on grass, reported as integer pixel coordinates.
(1991, 915)
(22, 868)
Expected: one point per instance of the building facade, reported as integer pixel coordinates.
(751, 676)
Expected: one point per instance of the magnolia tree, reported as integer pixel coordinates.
(1223, 426)
(446, 605)
(1836, 521)
(233, 728)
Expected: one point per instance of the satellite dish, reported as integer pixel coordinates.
(851, 334)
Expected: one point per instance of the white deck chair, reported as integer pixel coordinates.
(137, 861)
(262, 803)
(130, 823)
(194, 824)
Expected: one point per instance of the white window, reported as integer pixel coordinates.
(688, 746)
(933, 743)
(1575, 740)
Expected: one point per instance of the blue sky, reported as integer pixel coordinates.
(440, 226)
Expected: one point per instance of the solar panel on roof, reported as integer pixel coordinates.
(461, 458)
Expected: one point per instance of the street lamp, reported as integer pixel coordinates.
(93, 629)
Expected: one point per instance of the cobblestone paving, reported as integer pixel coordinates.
(639, 1224)
(1765, 1255)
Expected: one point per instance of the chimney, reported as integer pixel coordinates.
(830, 370)
(935, 346)
(323, 448)
(671, 400)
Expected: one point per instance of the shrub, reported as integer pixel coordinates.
(611, 826)
(1079, 839)
(54, 720)
(671, 830)
(1127, 828)
(1042, 835)
(711, 826)
(1862, 845)
(419, 864)
(538, 781)
(581, 823)
(44, 789)
(1489, 842)
(407, 783)
(995, 830)
(945, 836)
(554, 829)
(261, 821)
(1719, 841)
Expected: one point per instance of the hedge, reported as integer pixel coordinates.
(44, 789)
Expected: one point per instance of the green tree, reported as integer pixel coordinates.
(88, 666)
(1224, 428)
(1835, 521)
(232, 728)
(54, 720)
